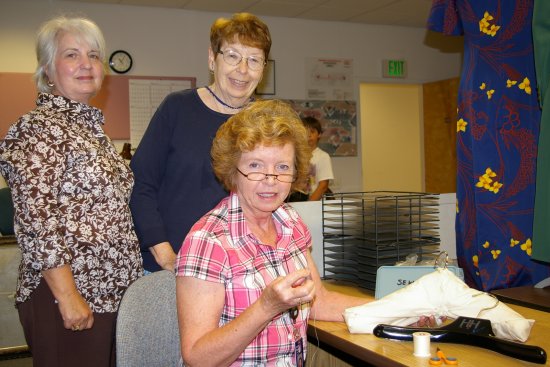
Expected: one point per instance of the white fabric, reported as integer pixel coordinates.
(442, 294)
(320, 168)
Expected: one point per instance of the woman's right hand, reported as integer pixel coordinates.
(164, 255)
(288, 291)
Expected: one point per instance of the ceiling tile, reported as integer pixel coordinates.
(158, 3)
(95, 1)
(329, 13)
(391, 18)
(358, 5)
(280, 8)
(409, 13)
(223, 6)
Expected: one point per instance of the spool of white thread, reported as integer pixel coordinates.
(421, 344)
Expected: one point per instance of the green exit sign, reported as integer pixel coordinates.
(394, 68)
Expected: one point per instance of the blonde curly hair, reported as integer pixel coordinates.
(263, 122)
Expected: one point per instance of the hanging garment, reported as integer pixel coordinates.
(497, 131)
(541, 42)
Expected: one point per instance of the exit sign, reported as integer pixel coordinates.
(394, 68)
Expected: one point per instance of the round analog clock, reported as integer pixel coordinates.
(120, 61)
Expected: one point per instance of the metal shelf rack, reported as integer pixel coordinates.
(365, 230)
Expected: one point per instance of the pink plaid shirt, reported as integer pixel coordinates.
(221, 248)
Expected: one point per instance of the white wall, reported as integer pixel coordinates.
(173, 42)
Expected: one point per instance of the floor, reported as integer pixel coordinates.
(17, 362)
(11, 333)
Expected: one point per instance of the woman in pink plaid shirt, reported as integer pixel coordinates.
(247, 283)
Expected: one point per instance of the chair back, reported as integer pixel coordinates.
(6, 212)
(147, 331)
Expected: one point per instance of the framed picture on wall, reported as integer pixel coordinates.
(267, 85)
(339, 122)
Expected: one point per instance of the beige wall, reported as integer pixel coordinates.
(175, 43)
(392, 137)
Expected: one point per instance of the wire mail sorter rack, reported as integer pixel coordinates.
(365, 230)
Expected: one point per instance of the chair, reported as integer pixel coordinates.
(147, 331)
(6, 212)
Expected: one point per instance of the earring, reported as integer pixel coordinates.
(50, 84)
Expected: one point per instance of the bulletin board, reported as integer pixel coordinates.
(18, 96)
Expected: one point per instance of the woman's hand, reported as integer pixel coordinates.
(287, 292)
(429, 321)
(75, 312)
(164, 255)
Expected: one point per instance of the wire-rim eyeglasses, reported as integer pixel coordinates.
(234, 58)
(260, 176)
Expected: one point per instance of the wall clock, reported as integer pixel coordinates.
(120, 61)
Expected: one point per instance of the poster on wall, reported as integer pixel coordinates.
(329, 78)
(339, 122)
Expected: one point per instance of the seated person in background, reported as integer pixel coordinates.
(246, 280)
(320, 168)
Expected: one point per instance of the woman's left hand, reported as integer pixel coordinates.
(75, 312)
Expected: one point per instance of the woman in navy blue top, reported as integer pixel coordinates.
(174, 182)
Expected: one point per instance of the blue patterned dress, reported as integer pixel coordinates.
(497, 131)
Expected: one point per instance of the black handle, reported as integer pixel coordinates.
(524, 352)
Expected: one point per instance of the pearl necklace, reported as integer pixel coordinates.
(225, 104)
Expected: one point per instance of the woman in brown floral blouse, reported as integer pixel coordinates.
(70, 191)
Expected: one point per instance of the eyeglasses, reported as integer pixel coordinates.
(234, 58)
(260, 176)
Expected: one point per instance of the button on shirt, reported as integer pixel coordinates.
(70, 190)
(220, 248)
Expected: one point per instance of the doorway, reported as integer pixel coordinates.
(408, 136)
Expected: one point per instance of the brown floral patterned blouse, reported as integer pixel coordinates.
(70, 190)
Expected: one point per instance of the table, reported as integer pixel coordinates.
(370, 350)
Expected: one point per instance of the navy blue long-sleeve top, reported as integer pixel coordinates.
(174, 181)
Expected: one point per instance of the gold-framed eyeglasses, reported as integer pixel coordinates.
(234, 58)
(260, 176)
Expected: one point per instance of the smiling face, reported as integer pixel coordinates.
(78, 69)
(235, 84)
(260, 198)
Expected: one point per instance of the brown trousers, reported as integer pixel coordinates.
(53, 345)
